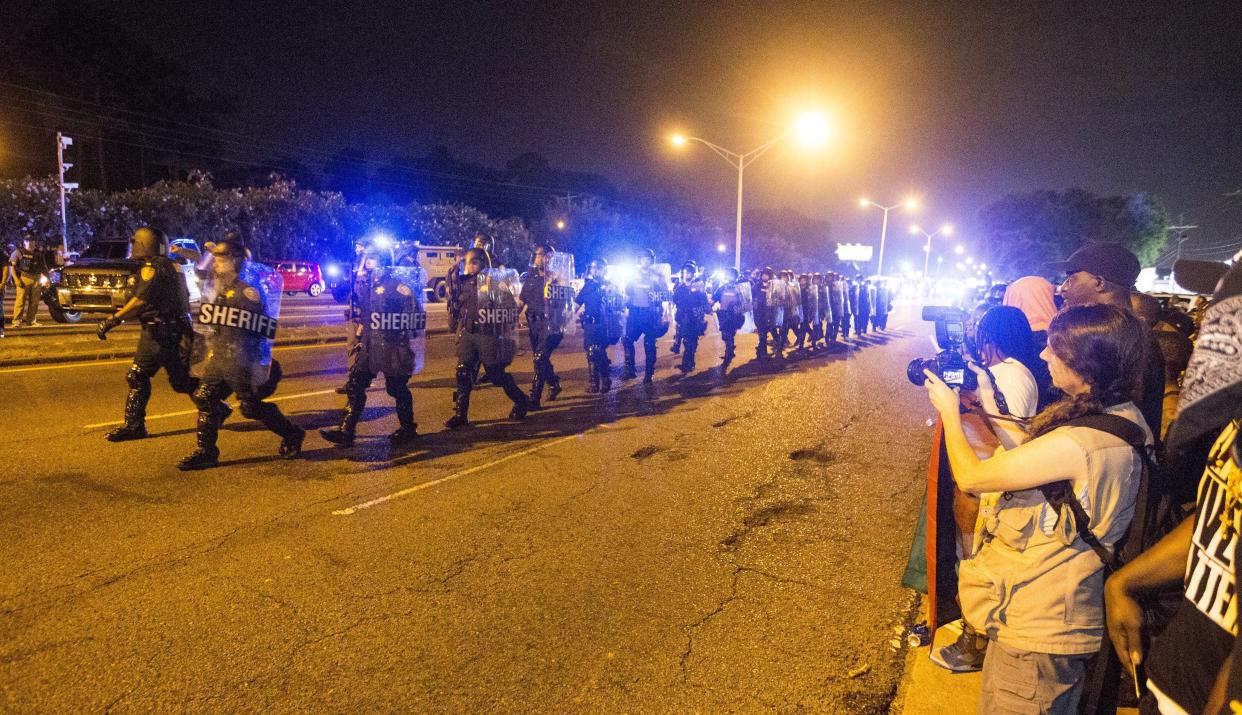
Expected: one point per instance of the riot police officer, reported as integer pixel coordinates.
(161, 303)
(692, 304)
(645, 297)
(733, 303)
(836, 306)
(388, 320)
(241, 304)
(547, 298)
(602, 314)
(486, 324)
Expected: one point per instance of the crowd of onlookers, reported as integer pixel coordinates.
(1097, 496)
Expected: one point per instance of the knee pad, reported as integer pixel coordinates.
(397, 386)
(137, 378)
(252, 409)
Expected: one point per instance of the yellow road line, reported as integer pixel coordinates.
(126, 361)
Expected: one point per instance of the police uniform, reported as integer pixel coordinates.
(240, 330)
(866, 298)
(836, 306)
(601, 328)
(730, 320)
(165, 342)
(27, 265)
(645, 319)
(538, 293)
(386, 315)
(763, 323)
(485, 337)
(692, 306)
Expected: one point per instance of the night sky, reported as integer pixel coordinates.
(956, 102)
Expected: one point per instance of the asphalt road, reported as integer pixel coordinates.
(296, 310)
(700, 544)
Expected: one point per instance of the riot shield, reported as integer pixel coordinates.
(392, 331)
(793, 303)
(825, 305)
(662, 292)
(559, 293)
(238, 318)
(612, 308)
(736, 300)
(810, 303)
(774, 302)
(496, 309)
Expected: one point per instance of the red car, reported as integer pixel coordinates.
(300, 277)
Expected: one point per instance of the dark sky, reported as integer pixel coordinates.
(957, 102)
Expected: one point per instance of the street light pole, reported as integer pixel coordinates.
(740, 162)
(909, 203)
(737, 243)
(945, 230)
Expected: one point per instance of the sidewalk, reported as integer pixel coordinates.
(928, 689)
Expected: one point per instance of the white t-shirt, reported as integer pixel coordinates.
(1021, 392)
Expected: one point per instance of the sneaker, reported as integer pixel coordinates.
(964, 655)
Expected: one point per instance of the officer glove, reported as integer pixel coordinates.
(104, 326)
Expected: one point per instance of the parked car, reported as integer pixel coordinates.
(300, 277)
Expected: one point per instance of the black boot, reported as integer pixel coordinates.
(554, 388)
(343, 436)
(461, 398)
(206, 456)
(405, 434)
(521, 405)
(135, 409)
(630, 371)
(592, 376)
(536, 390)
(291, 443)
(649, 375)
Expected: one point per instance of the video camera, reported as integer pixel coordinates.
(948, 364)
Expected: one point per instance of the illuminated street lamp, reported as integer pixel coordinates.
(959, 249)
(809, 129)
(721, 248)
(910, 204)
(560, 224)
(945, 230)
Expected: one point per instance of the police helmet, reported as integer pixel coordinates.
(231, 245)
(147, 242)
(646, 253)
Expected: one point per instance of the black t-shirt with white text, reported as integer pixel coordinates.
(1185, 658)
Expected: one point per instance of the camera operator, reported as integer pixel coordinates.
(1006, 400)
(1032, 585)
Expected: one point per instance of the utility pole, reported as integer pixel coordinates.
(1181, 229)
(63, 142)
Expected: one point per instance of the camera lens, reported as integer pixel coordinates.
(914, 371)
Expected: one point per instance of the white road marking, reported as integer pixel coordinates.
(180, 413)
(456, 475)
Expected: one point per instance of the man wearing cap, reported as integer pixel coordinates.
(161, 303)
(1193, 665)
(1105, 273)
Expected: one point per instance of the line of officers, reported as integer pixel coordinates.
(225, 348)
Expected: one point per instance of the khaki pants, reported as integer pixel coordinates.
(1020, 682)
(27, 303)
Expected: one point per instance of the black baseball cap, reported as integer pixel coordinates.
(1199, 276)
(1111, 261)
